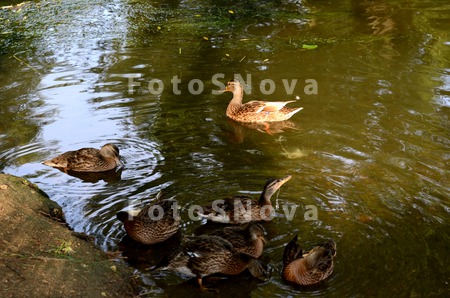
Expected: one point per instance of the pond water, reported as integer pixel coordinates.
(370, 150)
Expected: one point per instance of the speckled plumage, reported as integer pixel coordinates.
(87, 160)
(241, 208)
(310, 268)
(256, 111)
(248, 238)
(200, 256)
(149, 226)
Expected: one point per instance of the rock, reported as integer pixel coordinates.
(40, 255)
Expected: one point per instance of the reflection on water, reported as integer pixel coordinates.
(370, 150)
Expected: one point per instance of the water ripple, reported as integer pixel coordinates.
(90, 206)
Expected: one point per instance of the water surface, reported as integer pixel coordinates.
(370, 150)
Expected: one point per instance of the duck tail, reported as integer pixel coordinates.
(294, 111)
(292, 251)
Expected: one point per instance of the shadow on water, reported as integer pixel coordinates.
(369, 150)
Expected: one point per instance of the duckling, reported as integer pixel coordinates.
(241, 208)
(155, 223)
(248, 239)
(87, 160)
(200, 256)
(256, 111)
(309, 268)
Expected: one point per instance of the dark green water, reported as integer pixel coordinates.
(370, 150)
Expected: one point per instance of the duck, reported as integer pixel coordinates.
(248, 238)
(200, 256)
(309, 268)
(155, 223)
(241, 208)
(87, 160)
(256, 111)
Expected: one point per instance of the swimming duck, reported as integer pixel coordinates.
(248, 238)
(256, 111)
(309, 268)
(87, 160)
(155, 223)
(200, 256)
(241, 208)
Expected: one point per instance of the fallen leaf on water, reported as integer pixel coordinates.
(294, 154)
(309, 46)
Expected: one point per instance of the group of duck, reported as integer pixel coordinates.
(231, 249)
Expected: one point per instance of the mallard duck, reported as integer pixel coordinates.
(309, 268)
(155, 223)
(248, 238)
(87, 160)
(200, 256)
(256, 111)
(241, 208)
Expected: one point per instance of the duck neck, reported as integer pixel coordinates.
(236, 101)
(264, 199)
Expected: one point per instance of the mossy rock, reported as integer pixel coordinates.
(40, 255)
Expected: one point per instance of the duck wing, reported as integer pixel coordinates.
(86, 160)
(266, 106)
(228, 210)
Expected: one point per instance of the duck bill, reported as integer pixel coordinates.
(275, 185)
(280, 182)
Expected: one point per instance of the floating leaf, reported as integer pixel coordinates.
(294, 154)
(309, 46)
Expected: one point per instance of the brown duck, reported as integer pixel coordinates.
(243, 209)
(309, 268)
(87, 160)
(256, 111)
(155, 223)
(248, 239)
(200, 256)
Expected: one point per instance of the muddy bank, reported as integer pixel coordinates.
(41, 256)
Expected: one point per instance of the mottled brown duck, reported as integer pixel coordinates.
(309, 268)
(256, 111)
(87, 160)
(248, 238)
(200, 256)
(242, 208)
(155, 223)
